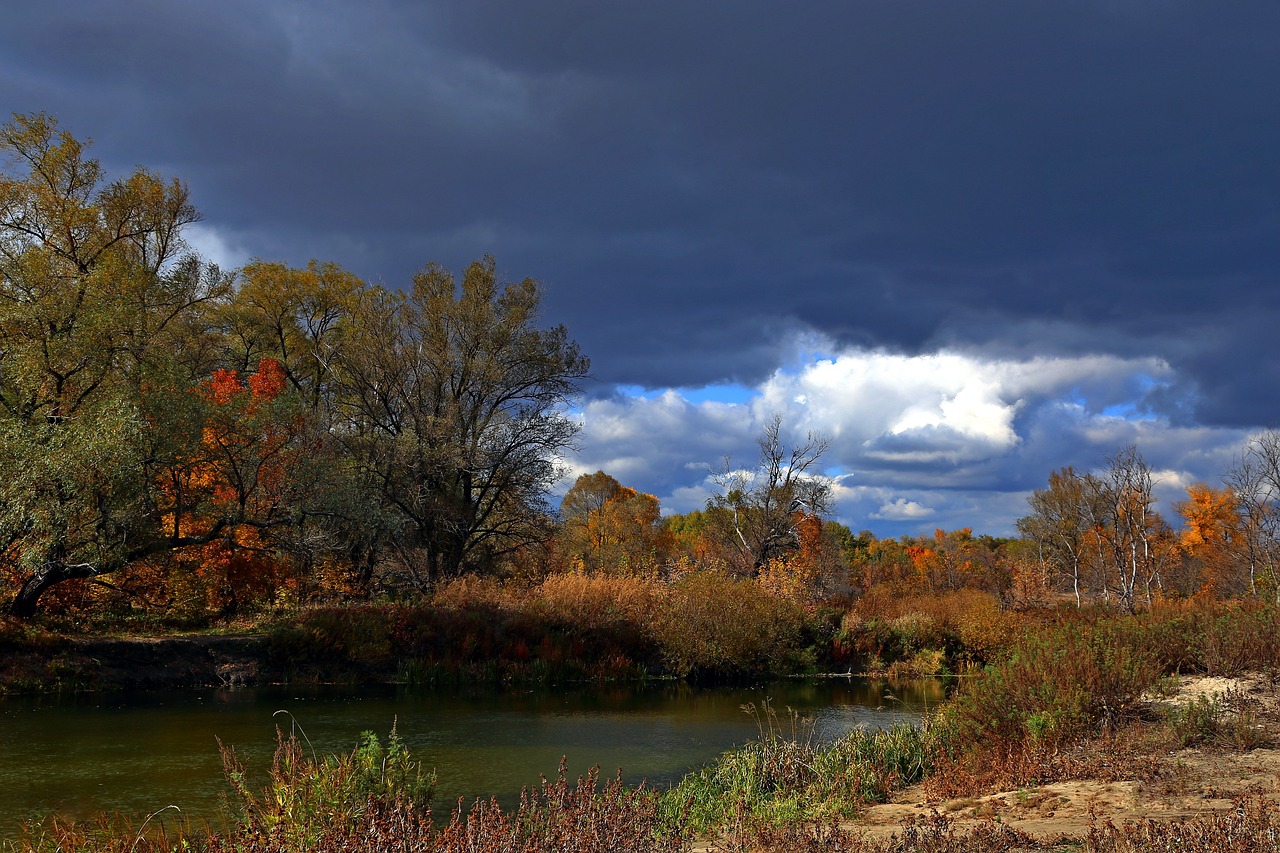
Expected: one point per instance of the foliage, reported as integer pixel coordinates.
(568, 626)
(1053, 686)
(1099, 535)
(93, 286)
(787, 777)
(757, 513)
(608, 526)
(713, 624)
(901, 632)
(307, 798)
(353, 804)
(455, 401)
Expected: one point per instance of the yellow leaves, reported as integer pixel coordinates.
(610, 526)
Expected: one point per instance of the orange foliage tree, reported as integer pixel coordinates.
(1213, 540)
(236, 485)
(609, 526)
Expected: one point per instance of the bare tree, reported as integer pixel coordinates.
(1061, 526)
(1102, 530)
(1137, 535)
(1255, 479)
(761, 507)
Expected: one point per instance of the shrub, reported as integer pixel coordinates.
(780, 778)
(1053, 686)
(307, 797)
(712, 624)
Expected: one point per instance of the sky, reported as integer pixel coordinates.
(969, 242)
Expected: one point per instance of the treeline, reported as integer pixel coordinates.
(179, 439)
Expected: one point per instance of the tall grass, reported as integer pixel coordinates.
(564, 628)
(309, 798)
(376, 799)
(787, 777)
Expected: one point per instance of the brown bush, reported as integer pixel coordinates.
(713, 624)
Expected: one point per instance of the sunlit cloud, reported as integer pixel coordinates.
(946, 438)
(902, 510)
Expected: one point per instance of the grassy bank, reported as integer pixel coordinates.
(1045, 695)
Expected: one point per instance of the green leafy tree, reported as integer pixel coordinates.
(95, 281)
(454, 400)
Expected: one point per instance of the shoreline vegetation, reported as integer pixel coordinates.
(1050, 695)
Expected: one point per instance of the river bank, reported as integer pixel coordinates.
(55, 663)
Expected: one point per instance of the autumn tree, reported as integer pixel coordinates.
(1062, 524)
(301, 318)
(1139, 541)
(1104, 529)
(246, 487)
(607, 525)
(1213, 541)
(453, 400)
(759, 510)
(94, 280)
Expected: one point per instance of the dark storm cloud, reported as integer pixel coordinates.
(685, 175)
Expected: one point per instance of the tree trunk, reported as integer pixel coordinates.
(24, 604)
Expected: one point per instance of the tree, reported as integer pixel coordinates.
(1213, 540)
(1102, 530)
(1255, 480)
(299, 317)
(453, 406)
(607, 525)
(760, 510)
(94, 281)
(1061, 525)
(1137, 537)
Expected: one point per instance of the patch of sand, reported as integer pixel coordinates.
(1185, 783)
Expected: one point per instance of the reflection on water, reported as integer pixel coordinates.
(135, 753)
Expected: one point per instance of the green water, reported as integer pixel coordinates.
(136, 753)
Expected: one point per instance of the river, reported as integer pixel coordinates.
(136, 753)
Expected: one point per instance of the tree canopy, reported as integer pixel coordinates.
(151, 404)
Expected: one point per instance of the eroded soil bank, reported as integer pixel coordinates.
(106, 663)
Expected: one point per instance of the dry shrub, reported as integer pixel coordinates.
(1001, 766)
(1253, 823)
(1212, 637)
(713, 624)
(934, 833)
(968, 626)
(1054, 687)
(475, 592)
(595, 601)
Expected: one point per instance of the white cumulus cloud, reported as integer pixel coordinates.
(953, 438)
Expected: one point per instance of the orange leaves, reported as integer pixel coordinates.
(610, 526)
(1212, 538)
(224, 386)
(268, 382)
(234, 481)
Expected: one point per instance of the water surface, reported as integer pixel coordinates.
(136, 753)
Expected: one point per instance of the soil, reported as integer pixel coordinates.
(1179, 784)
(141, 663)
